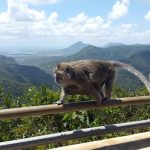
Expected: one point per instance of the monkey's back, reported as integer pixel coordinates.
(97, 71)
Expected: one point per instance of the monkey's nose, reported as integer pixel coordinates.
(59, 78)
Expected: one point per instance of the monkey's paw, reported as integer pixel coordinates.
(99, 102)
(60, 102)
(105, 99)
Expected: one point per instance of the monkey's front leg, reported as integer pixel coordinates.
(62, 97)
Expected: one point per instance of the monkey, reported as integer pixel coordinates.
(89, 76)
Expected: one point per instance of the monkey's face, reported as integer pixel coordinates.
(63, 74)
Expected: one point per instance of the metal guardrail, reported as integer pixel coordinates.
(70, 107)
(63, 136)
(140, 141)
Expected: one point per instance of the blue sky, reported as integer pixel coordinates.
(53, 24)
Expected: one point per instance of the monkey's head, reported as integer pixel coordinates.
(64, 73)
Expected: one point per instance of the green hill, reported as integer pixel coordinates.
(141, 61)
(109, 53)
(17, 77)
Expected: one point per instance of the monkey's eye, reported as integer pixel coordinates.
(68, 69)
(55, 71)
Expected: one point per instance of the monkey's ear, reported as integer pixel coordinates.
(61, 65)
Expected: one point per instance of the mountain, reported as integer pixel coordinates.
(87, 52)
(7, 60)
(141, 61)
(109, 53)
(17, 77)
(74, 48)
(121, 52)
(45, 56)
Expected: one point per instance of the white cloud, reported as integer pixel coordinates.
(21, 12)
(147, 16)
(37, 2)
(37, 23)
(126, 26)
(119, 9)
(79, 19)
(53, 17)
(4, 17)
(20, 21)
(18, 12)
(126, 2)
(82, 25)
(27, 22)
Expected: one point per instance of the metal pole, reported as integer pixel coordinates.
(63, 136)
(70, 107)
(140, 141)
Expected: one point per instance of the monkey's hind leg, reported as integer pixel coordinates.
(101, 90)
(95, 93)
(109, 87)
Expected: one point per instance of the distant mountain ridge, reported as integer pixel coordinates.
(43, 57)
(80, 50)
(7, 60)
(110, 53)
(121, 52)
(74, 48)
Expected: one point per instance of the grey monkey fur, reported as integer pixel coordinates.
(88, 77)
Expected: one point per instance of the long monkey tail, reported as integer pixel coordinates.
(133, 71)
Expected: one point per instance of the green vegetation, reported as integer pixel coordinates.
(40, 125)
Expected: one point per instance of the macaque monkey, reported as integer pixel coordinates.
(89, 76)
